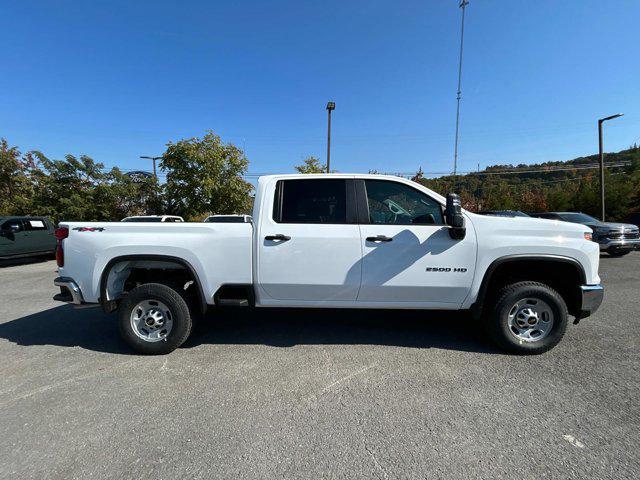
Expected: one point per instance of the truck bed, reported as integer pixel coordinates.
(217, 252)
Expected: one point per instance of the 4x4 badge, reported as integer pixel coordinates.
(88, 229)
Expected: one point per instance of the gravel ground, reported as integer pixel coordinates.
(310, 394)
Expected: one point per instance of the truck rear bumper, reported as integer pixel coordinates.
(591, 298)
(69, 291)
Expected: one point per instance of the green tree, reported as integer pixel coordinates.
(65, 189)
(559, 199)
(619, 194)
(16, 189)
(499, 196)
(118, 196)
(311, 165)
(634, 179)
(532, 200)
(204, 175)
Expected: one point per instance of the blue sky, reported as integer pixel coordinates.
(119, 79)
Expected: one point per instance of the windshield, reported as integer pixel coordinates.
(143, 219)
(579, 218)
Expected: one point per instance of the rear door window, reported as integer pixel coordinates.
(34, 224)
(311, 201)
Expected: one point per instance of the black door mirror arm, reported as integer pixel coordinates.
(454, 217)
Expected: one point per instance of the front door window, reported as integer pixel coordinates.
(393, 203)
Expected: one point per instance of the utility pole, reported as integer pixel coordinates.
(463, 5)
(154, 164)
(601, 153)
(478, 190)
(330, 107)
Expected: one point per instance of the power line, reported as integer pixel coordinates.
(552, 170)
(588, 166)
(517, 172)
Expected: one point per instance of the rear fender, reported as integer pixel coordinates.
(117, 270)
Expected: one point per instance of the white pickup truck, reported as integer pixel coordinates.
(336, 241)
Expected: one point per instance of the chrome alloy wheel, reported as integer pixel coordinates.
(530, 319)
(151, 320)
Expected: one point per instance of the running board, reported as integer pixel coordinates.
(233, 302)
(234, 295)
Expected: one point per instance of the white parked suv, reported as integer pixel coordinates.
(228, 219)
(337, 241)
(153, 218)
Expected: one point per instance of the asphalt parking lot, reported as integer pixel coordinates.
(312, 394)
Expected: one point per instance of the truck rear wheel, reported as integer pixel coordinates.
(527, 318)
(154, 319)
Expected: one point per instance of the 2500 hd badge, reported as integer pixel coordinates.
(446, 269)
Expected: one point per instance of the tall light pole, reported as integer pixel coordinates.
(154, 164)
(601, 152)
(463, 5)
(330, 107)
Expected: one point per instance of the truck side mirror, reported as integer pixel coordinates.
(8, 229)
(454, 217)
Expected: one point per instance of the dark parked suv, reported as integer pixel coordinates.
(616, 239)
(503, 213)
(25, 237)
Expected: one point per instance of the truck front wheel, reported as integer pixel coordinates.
(154, 319)
(527, 318)
(618, 253)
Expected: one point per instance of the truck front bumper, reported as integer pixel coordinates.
(591, 298)
(69, 291)
(607, 244)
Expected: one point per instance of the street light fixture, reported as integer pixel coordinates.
(600, 149)
(330, 107)
(154, 164)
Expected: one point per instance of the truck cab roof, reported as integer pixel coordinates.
(359, 176)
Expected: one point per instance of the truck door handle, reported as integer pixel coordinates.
(279, 236)
(379, 238)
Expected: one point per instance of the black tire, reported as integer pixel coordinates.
(619, 253)
(179, 310)
(497, 318)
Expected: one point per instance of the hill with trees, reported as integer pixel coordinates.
(551, 186)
